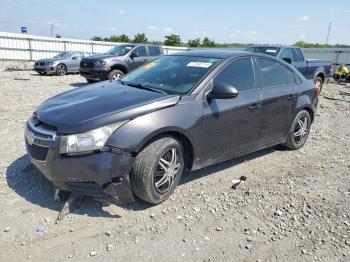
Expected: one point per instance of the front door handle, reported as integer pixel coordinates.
(254, 107)
(290, 97)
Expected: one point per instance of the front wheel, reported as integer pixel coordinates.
(299, 131)
(157, 170)
(115, 75)
(336, 78)
(61, 70)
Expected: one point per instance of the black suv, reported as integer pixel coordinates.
(118, 61)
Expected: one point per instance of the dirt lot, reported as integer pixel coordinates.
(294, 206)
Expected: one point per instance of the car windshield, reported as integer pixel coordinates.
(120, 50)
(172, 74)
(267, 50)
(64, 55)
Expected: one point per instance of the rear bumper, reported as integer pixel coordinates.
(103, 174)
(93, 74)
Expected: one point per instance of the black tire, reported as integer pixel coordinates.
(144, 178)
(61, 70)
(90, 81)
(319, 80)
(115, 75)
(336, 78)
(294, 141)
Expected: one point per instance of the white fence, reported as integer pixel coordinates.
(22, 47)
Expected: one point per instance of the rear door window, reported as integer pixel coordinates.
(154, 51)
(272, 73)
(239, 74)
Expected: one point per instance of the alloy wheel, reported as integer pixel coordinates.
(167, 170)
(116, 77)
(301, 130)
(61, 70)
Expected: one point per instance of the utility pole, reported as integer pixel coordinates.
(51, 29)
(329, 30)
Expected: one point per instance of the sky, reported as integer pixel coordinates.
(253, 21)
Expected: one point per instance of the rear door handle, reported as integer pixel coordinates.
(290, 97)
(254, 107)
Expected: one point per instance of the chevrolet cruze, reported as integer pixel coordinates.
(136, 136)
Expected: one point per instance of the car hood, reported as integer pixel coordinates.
(100, 57)
(100, 104)
(48, 60)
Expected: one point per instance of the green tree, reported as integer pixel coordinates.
(172, 40)
(140, 38)
(120, 38)
(96, 38)
(208, 43)
(194, 42)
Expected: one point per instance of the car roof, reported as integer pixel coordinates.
(274, 46)
(212, 53)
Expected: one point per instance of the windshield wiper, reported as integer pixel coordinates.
(142, 86)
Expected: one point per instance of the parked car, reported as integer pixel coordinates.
(118, 61)
(316, 69)
(61, 64)
(182, 111)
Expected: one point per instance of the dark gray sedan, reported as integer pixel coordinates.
(61, 64)
(135, 137)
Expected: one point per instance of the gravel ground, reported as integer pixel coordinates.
(294, 206)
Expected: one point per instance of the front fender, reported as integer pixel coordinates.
(136, 133)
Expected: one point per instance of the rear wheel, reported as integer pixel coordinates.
(299, 131)
(61, 69)
(157, 170)
(115, 75)
(319, 82)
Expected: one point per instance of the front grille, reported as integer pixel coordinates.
(42, 63)
(39, 134)
(85, 64)
(37, 152)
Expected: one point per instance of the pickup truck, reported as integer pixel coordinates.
(118, 61)
(314, 69)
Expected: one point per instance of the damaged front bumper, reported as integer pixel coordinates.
(103, 174)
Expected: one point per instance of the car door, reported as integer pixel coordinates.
(300, 62)
(76, 59)
(279, 93)
(154, 52)
(232, 126)
(141, 58)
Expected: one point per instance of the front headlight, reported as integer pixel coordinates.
(100, 63)
(88, 141)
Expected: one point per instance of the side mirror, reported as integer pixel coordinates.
(288, 60)
(222, 91)
(134, 54)
(74, 57)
